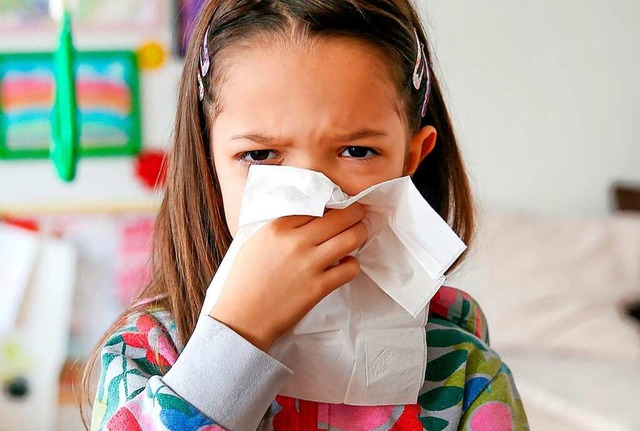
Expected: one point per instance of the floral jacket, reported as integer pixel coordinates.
(466, 385)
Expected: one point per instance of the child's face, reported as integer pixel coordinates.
(330, 106)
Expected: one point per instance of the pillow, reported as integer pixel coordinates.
(557, 285)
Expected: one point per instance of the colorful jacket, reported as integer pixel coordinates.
(219, 381)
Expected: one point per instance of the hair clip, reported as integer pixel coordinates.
(421, 69)
(418, 71)
(205, 61)
(427, 91)
(200, 88)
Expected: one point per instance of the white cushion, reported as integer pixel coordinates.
(557, 284)
(561, 393)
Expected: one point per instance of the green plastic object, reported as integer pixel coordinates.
(65, 131)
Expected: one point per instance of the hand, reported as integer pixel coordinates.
(285, 269)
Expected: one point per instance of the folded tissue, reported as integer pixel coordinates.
(365, 343)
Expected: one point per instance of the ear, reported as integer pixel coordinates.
(420, 146)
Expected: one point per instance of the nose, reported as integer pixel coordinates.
(313, 163)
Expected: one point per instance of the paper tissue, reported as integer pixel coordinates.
(363, 344)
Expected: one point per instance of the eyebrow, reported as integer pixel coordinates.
(349, 137)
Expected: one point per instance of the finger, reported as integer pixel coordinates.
(292, 222)
(333, 223)
(341, 245)
(339, 275)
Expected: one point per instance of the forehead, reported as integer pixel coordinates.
(340, 79)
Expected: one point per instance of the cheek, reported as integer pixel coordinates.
(232, 185)
(353, 181)
(231, 211)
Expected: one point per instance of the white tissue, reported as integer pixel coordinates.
(364, 344)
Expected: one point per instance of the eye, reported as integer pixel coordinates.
(257, 156)
(359, 152)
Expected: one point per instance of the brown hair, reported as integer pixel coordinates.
(191, 236)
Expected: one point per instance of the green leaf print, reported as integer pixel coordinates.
(451, 337)
(116, 339)
(466, 308)
(434, 424)
(441, 398)
(136, 392)
(113, 396)
(172, 402)
(443, 367)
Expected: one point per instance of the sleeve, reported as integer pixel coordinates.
(467, 385)
(497, 404)
(147, 384)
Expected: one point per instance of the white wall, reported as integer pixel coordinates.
(545, 97)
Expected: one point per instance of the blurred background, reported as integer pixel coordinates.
(544, 99)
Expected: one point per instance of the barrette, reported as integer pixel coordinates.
(421, 69)
(427, 91)
(200, 88)
(205, 61)
(418, 71)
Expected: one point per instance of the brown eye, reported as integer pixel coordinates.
(257, 155)
(358, 152)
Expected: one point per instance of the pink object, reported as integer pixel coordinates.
(492, 417)
(132, 271)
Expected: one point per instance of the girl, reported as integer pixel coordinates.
(344, 87)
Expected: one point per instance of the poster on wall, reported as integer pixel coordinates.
(107, 85)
